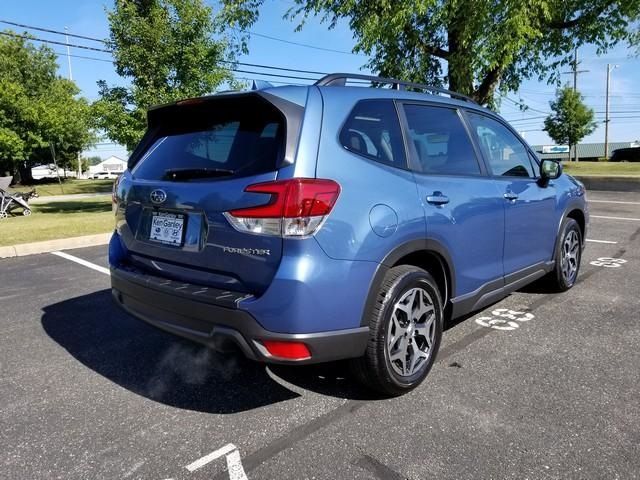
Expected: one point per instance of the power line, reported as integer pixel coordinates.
(272, 74)
(93, 39)
(83, 57)
(28, 37)
(269, 37)
(285, 69)
(525, 119)
(528, 108)
(255, 65)
(300, 44)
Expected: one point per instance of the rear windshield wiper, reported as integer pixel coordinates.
(194, 173)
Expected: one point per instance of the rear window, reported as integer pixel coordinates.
(222, 138)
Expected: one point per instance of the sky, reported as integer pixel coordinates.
(332, 54)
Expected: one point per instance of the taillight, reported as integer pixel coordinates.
(297, 207)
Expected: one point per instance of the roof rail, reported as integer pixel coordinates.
(340, 80)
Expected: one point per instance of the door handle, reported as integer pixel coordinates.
(437, 198)
(511, 196)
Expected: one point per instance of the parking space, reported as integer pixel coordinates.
(536, 386)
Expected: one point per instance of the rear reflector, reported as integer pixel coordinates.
(288, 350)
(296, 208)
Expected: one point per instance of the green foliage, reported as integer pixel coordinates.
(37, 107)
(485, 45)
(167, 50)
(571, 120)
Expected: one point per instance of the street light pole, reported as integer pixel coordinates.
(575, 73)
(66, 40)
(606, 115)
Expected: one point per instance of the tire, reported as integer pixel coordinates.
(567, 265)
(26, 212)
(405, 332)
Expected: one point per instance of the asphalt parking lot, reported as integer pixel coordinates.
(535, 386)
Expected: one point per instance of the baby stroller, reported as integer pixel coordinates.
(10, 202)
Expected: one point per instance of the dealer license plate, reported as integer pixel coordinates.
(167, 228)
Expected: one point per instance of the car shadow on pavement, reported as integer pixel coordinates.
(154, 364)
(177, 372)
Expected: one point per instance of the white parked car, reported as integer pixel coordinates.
(105, 175)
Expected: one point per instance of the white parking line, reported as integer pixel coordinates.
(201, 462)
(613, 201)
(615, 218)
(90, 265)
(601, 241)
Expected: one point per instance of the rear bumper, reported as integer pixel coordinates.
(212, 317)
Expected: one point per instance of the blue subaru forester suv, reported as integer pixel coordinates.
(306, 224)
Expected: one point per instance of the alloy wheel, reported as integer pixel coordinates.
(411, 332)
(570, 256)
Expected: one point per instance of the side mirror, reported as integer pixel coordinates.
(550, 170)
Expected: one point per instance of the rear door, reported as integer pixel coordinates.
(462, 206)
(530, 221)
(193, 165)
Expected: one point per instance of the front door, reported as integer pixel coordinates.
(464, 210)
(530, 228)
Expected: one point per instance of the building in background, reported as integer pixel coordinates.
(587, 152)
(109, 168)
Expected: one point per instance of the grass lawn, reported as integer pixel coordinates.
(70, 186)
(626, 169)
(62, 219)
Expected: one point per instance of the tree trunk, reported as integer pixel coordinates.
(24, 173)
(459, 70)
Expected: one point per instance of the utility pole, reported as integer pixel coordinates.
(606, 109)
(574, 71)
(66, 40)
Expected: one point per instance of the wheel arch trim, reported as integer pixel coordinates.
(429, 246)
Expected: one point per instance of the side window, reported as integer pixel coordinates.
(442, 143)
(507, 156)
(373, 131)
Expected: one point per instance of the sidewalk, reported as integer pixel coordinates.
(46, 246)
(62, 198)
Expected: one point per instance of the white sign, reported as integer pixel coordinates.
(555, 149)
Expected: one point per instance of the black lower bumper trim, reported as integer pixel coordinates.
(215, 325)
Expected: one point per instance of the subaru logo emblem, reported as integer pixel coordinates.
(158, 196)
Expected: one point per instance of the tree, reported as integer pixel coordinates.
(571, 120)
(485, 45)
(37, 108)
(167, 50)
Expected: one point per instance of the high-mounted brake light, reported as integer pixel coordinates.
(297, 207)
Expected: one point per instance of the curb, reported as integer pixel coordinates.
(611, 184)
(67, 198)
(47, 246)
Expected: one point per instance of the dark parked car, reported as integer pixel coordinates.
(631, 154)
